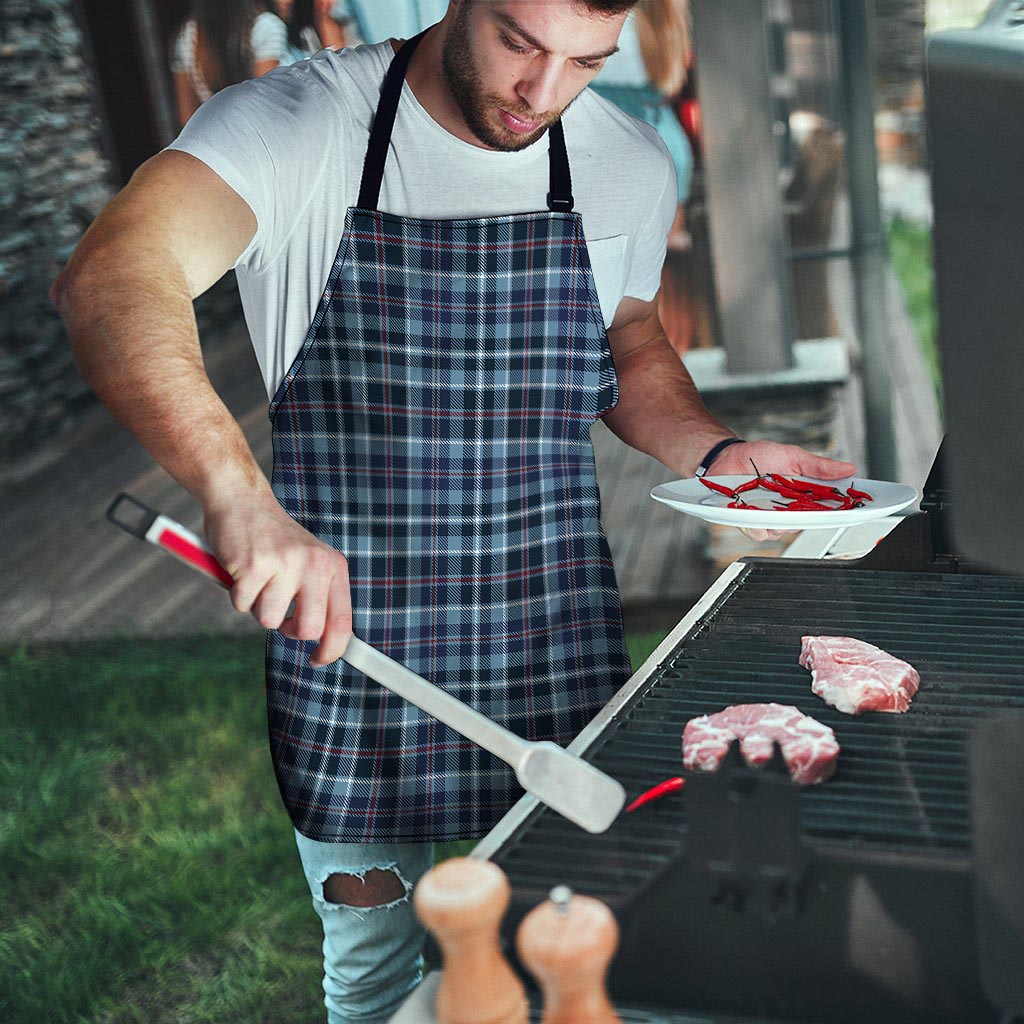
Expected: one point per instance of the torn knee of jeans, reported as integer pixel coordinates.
(377, 887)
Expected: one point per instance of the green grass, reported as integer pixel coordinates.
(910, 246)
(148, 871)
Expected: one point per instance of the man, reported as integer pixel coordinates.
(436, 351)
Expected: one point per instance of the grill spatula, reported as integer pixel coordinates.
(563, 781)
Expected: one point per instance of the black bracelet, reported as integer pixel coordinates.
(705, 463)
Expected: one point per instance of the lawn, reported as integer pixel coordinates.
(149, 872)
(910, 247)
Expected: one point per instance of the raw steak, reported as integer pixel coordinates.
(809, 748)
(855, 677)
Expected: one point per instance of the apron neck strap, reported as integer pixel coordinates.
(559, 197)
(383, 122)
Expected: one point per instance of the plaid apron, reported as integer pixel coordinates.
(434, 428)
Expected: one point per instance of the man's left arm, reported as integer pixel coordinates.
(660, 411)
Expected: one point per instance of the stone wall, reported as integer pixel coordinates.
(54, 178)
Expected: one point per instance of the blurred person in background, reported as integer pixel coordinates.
(221, 43)
(314, 25)
(373, 21)
(647, 75)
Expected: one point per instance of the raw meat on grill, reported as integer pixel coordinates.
(809, 748)
(855, 677)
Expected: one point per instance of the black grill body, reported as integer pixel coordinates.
(747, 896)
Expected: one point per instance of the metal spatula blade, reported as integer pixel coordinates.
(564, 782)
(571, 786)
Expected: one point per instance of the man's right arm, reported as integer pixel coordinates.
(126, 300)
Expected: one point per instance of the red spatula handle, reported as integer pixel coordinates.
(147, 524)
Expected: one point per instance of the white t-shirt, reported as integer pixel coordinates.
(292, 144)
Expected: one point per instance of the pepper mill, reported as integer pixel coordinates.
(462, 901)
(567, 943)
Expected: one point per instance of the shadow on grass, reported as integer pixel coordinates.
(150, 872)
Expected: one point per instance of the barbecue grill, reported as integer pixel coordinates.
(893, 892)
(852, 900)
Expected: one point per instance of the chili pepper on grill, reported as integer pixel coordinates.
(720, 488)
(656, 793)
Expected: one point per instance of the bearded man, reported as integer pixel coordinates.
(449, 252)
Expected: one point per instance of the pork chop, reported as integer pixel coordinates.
(855, 677)
(809, 748)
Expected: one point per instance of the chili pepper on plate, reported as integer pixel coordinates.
(720, 488)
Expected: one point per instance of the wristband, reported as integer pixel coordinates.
(705, 463)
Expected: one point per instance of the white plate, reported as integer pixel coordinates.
(693, 498)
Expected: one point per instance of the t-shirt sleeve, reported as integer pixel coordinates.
(649, 251)
(181, 51)
(269, 140)
(269, 38)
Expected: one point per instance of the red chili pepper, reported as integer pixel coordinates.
(806, 505)
(809, 487)
(793, 485)
(772, 485)
(656, 793)
(787, 492)
(863, 495)
(750, 485)
(720, 488)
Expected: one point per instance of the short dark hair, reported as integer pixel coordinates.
(609, 6)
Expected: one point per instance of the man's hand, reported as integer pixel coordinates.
(770, 457)
(274, 561)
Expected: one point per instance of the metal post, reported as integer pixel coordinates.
(748, 237)
(868, 239)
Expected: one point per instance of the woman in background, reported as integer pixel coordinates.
(644, 79)
(648, 73)
(221, 43)
(313, 25)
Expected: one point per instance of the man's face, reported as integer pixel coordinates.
(513, 66)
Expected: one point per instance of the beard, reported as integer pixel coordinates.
(477, 106)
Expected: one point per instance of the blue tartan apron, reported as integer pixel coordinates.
(434, 428)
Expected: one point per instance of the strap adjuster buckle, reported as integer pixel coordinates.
(560, 204)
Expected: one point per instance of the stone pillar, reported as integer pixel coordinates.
(54, 178)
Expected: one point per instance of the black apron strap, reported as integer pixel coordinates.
(560, 186)
(383, 122)
(560, 197)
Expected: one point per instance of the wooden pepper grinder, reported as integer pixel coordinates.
(462, 901)
(567, 943)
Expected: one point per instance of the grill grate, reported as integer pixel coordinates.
(902, 779)
(638, 1015)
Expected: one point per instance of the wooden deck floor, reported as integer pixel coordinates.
(73, 575)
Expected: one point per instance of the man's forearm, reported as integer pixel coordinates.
(133, 333)
(660, 411)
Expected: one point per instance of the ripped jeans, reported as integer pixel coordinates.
(372, 951)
